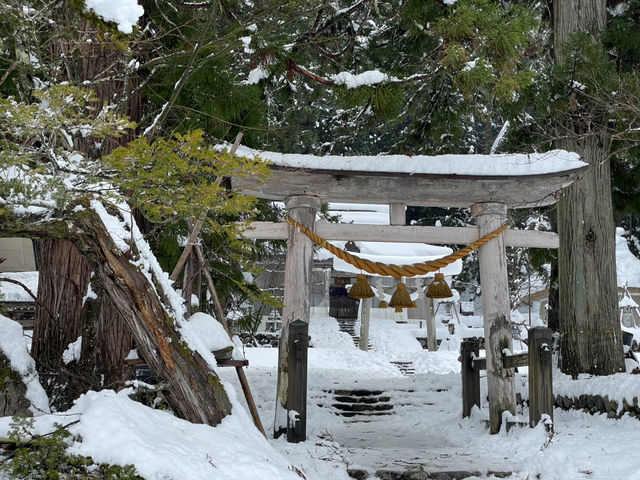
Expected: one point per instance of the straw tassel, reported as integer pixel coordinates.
(439, 288)
(383, 304)
(400, 298)
(361, 289)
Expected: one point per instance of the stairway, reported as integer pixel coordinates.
(359, 404)
(348, 326)
(406, 368)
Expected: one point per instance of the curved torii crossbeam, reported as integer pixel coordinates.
(488, 184)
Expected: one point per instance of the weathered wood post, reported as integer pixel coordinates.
(365, 316)
(297, 290)
(540, 376)
(432, 341)
(469, 350)
(495, 306)
(297, 401)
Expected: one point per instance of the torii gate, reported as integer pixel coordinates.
(488, 184)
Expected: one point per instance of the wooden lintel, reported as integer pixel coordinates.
(407, 234)
(515, 360)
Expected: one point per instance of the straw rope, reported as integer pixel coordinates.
(391, 270)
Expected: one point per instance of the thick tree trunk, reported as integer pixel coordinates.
(194, 391)
(64, 278)
(590, 340)
(590, 336)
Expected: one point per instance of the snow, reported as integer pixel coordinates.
(371, 77)
(73, 351)
(123, 12)
(15, 293)
(256, 75)
(627, 265)
(14, 346)
(210, 331)
(513, 164)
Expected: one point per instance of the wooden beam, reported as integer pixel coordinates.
(515, 360)
(407, 234)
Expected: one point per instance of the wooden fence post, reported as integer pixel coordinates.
(365, 317)
(297, 398)
(469, 349)
(540, 378)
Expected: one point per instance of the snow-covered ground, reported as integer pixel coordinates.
(425, 428)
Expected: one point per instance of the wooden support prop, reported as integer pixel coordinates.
(297, 388)
(469, 350)
(219, 312)
(540, 377)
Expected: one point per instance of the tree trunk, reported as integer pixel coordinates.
(590, 336)
(590, 340)
(194, 391)
(64, 278)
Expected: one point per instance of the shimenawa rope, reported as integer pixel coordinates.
(391, 270)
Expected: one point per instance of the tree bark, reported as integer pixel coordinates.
(194, 390)
(63, 281)
(590, 336)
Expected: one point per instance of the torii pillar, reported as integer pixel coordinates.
(297, 292)
(496, 312)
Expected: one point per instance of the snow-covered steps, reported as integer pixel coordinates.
(359, 404)
(423, 473)
(406, 368)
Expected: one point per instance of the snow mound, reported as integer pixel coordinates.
(12, 344)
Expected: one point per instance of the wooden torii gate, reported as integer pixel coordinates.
(488, 184)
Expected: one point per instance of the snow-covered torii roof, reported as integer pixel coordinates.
(517, 180)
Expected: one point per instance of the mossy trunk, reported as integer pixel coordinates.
(13, 391)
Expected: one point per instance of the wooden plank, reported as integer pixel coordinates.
(540, 376)
(297, 394)
(234, 363)
(406, 234)
(515, 360)
(480, 364)
(470, 376)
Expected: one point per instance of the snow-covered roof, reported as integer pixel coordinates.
(508, 164)
(516, 180)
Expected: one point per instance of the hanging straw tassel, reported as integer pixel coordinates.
(361, 289)
(400, 298)
(383, 304)
(398, 309)
(439, 288)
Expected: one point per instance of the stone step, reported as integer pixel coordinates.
(356, 399)
(363, 407)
